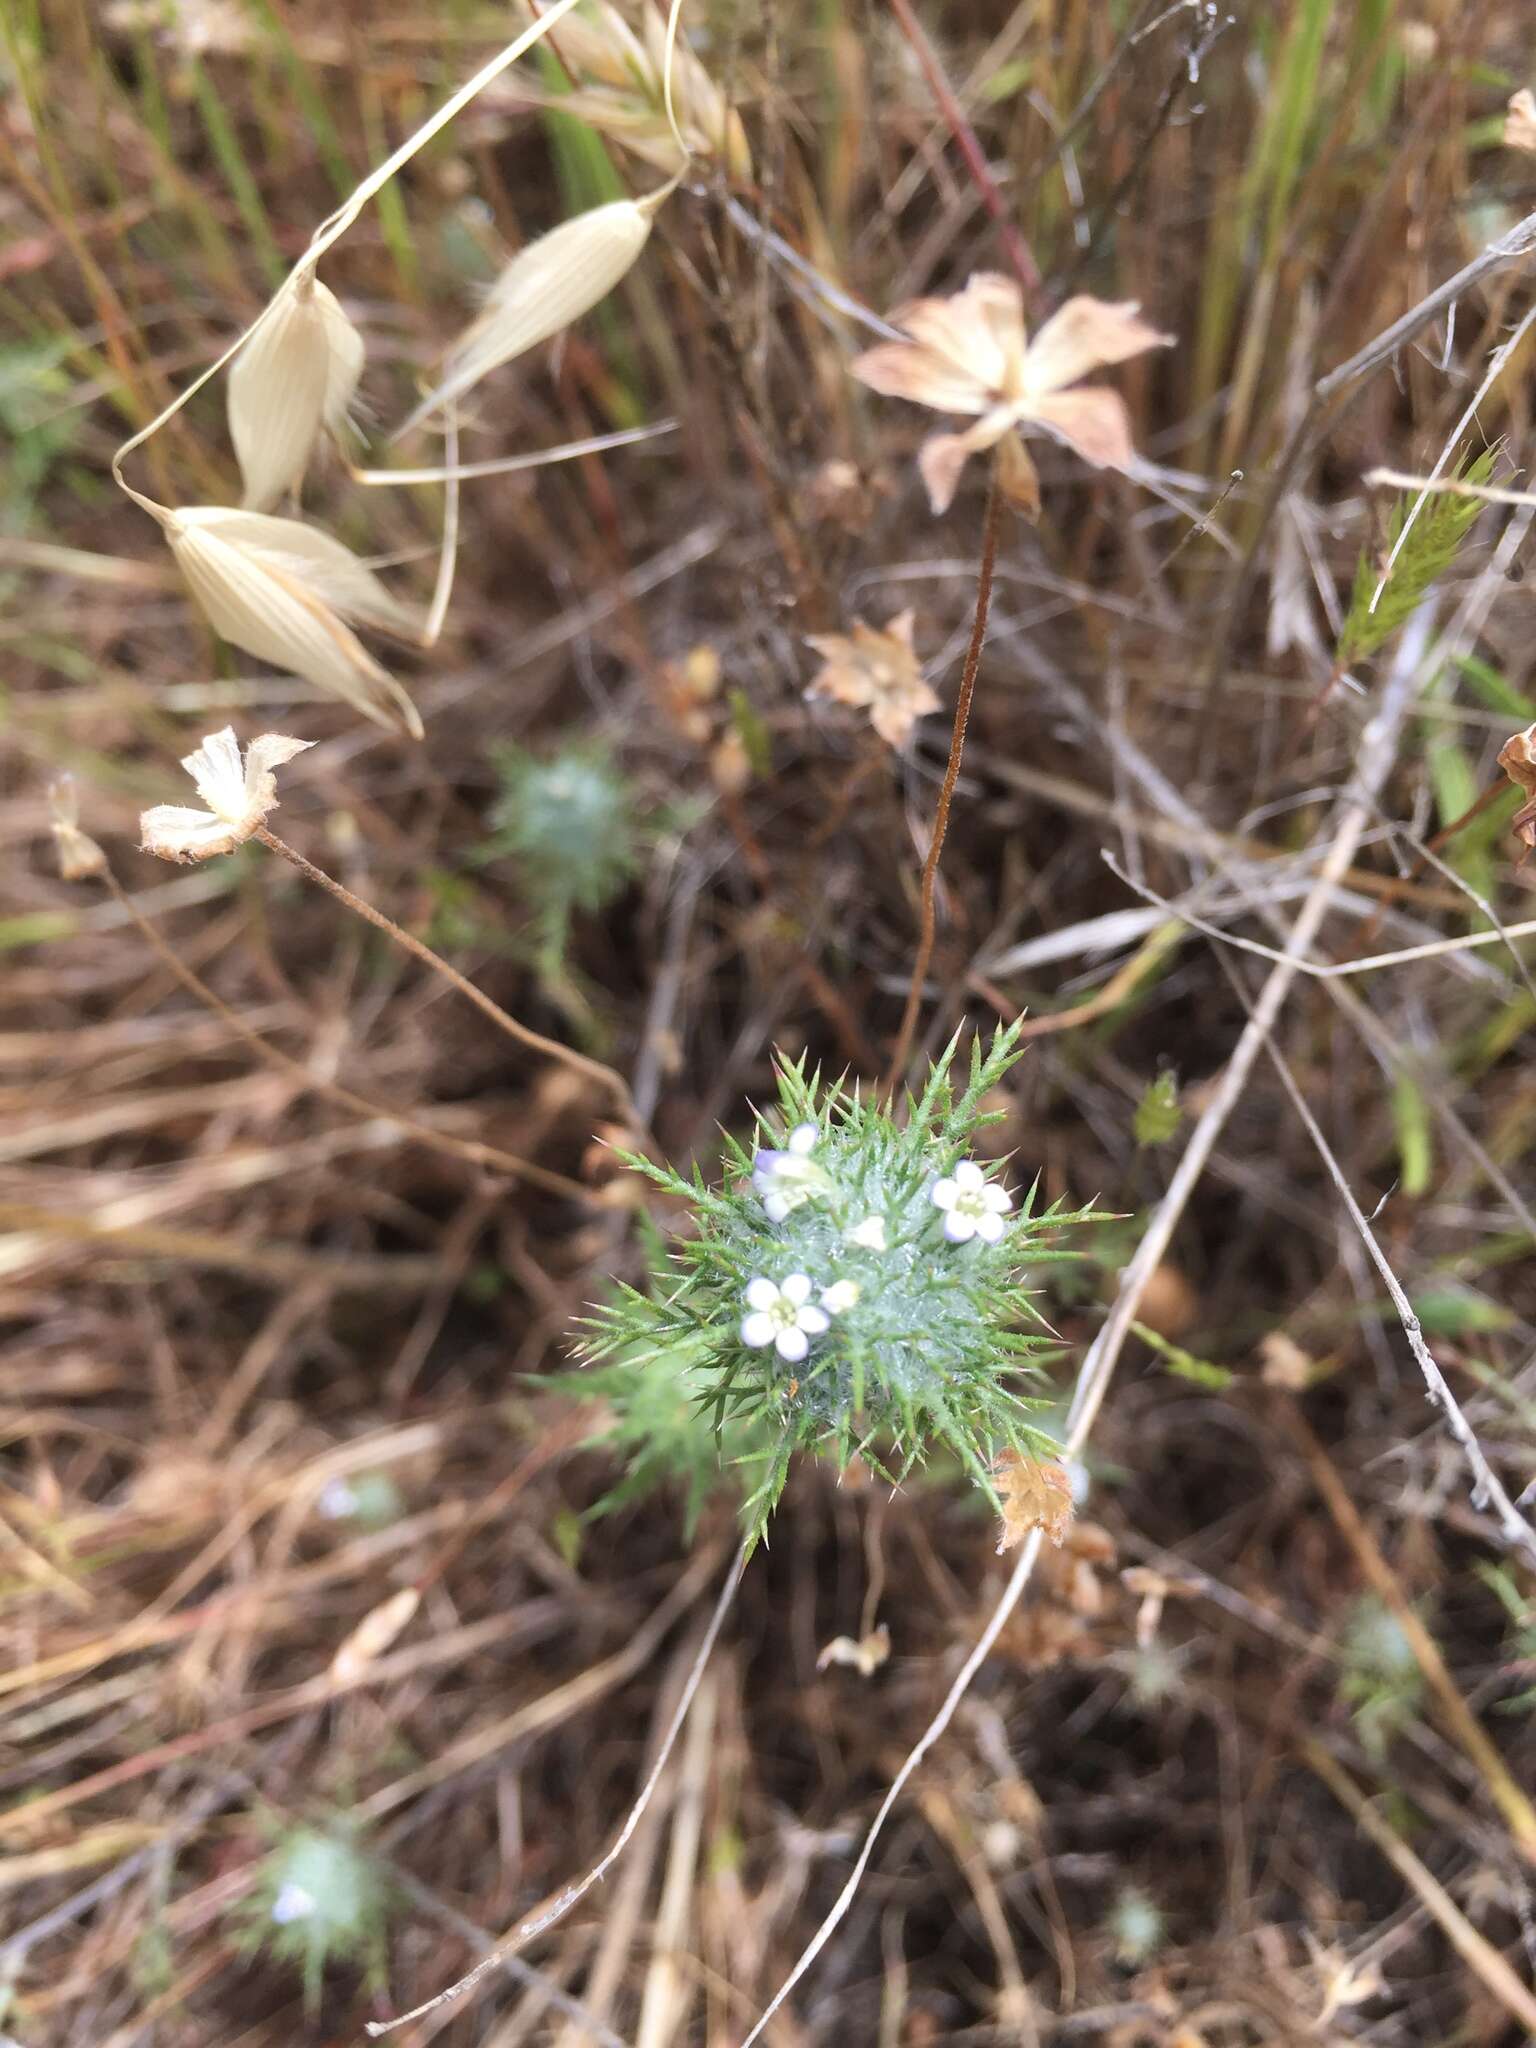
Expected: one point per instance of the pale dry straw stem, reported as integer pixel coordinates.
(1487, 1488)
(487, 1156)
(566, 1055)
(1337, 970)
(448, 556)
(1377, 749)
(1497, 363)
(507, 465)
(335, 226)
(540, 1923)
(1452, 486)
(1475, 1949)
(668, 63)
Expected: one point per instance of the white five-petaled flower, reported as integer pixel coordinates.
(782, 1315)
(786, 1179)
(292, 1903)
(973, 1205)
(971, 354)
(870, 1234)
(238, 794)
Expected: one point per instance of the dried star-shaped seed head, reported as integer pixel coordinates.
(239, 794)
(1036, 1494)
(79, 855)
(1520, 122)
(972, 354)
(874, 669)
(1517, 757)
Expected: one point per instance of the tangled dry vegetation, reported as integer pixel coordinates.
(335, 1638)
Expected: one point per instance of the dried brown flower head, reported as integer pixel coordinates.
(1517, 757)
(874, 669)
(239, 794)
(972, 354)
(1036, 1494)
(1520, 122)
(865, 1654)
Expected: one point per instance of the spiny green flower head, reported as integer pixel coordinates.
(856, 1285)
(1380, 1679)
(319, 1896)
(568, 821)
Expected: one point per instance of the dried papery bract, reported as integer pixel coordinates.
(972, 354)
(273, 605)
(293, 380)
(79, 856)
(1520, 122)
(1517, 757)
(547, 285)
(239, 795)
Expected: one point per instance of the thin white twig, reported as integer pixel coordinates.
(1496, 363)
(560, 1906)
(1487, 1488)
(1329, 971)
(1377, 749)
(448, 558)
(1454, 486)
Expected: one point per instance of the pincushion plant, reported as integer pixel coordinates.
(855, 1287)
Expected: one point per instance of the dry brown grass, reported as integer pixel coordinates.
(226, 1283)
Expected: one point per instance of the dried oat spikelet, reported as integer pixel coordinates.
(620, 89)
(276, 605)
(318, 560)
(294, 380)
(547, 285)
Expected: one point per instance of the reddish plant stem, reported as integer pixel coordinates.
(1015, 247)
(591, 1070)
(989, 533)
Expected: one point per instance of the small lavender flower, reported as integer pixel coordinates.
(336, 1500)
(786, 1178)
(783, 1316)
(292, 1903)
(973, 1205)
